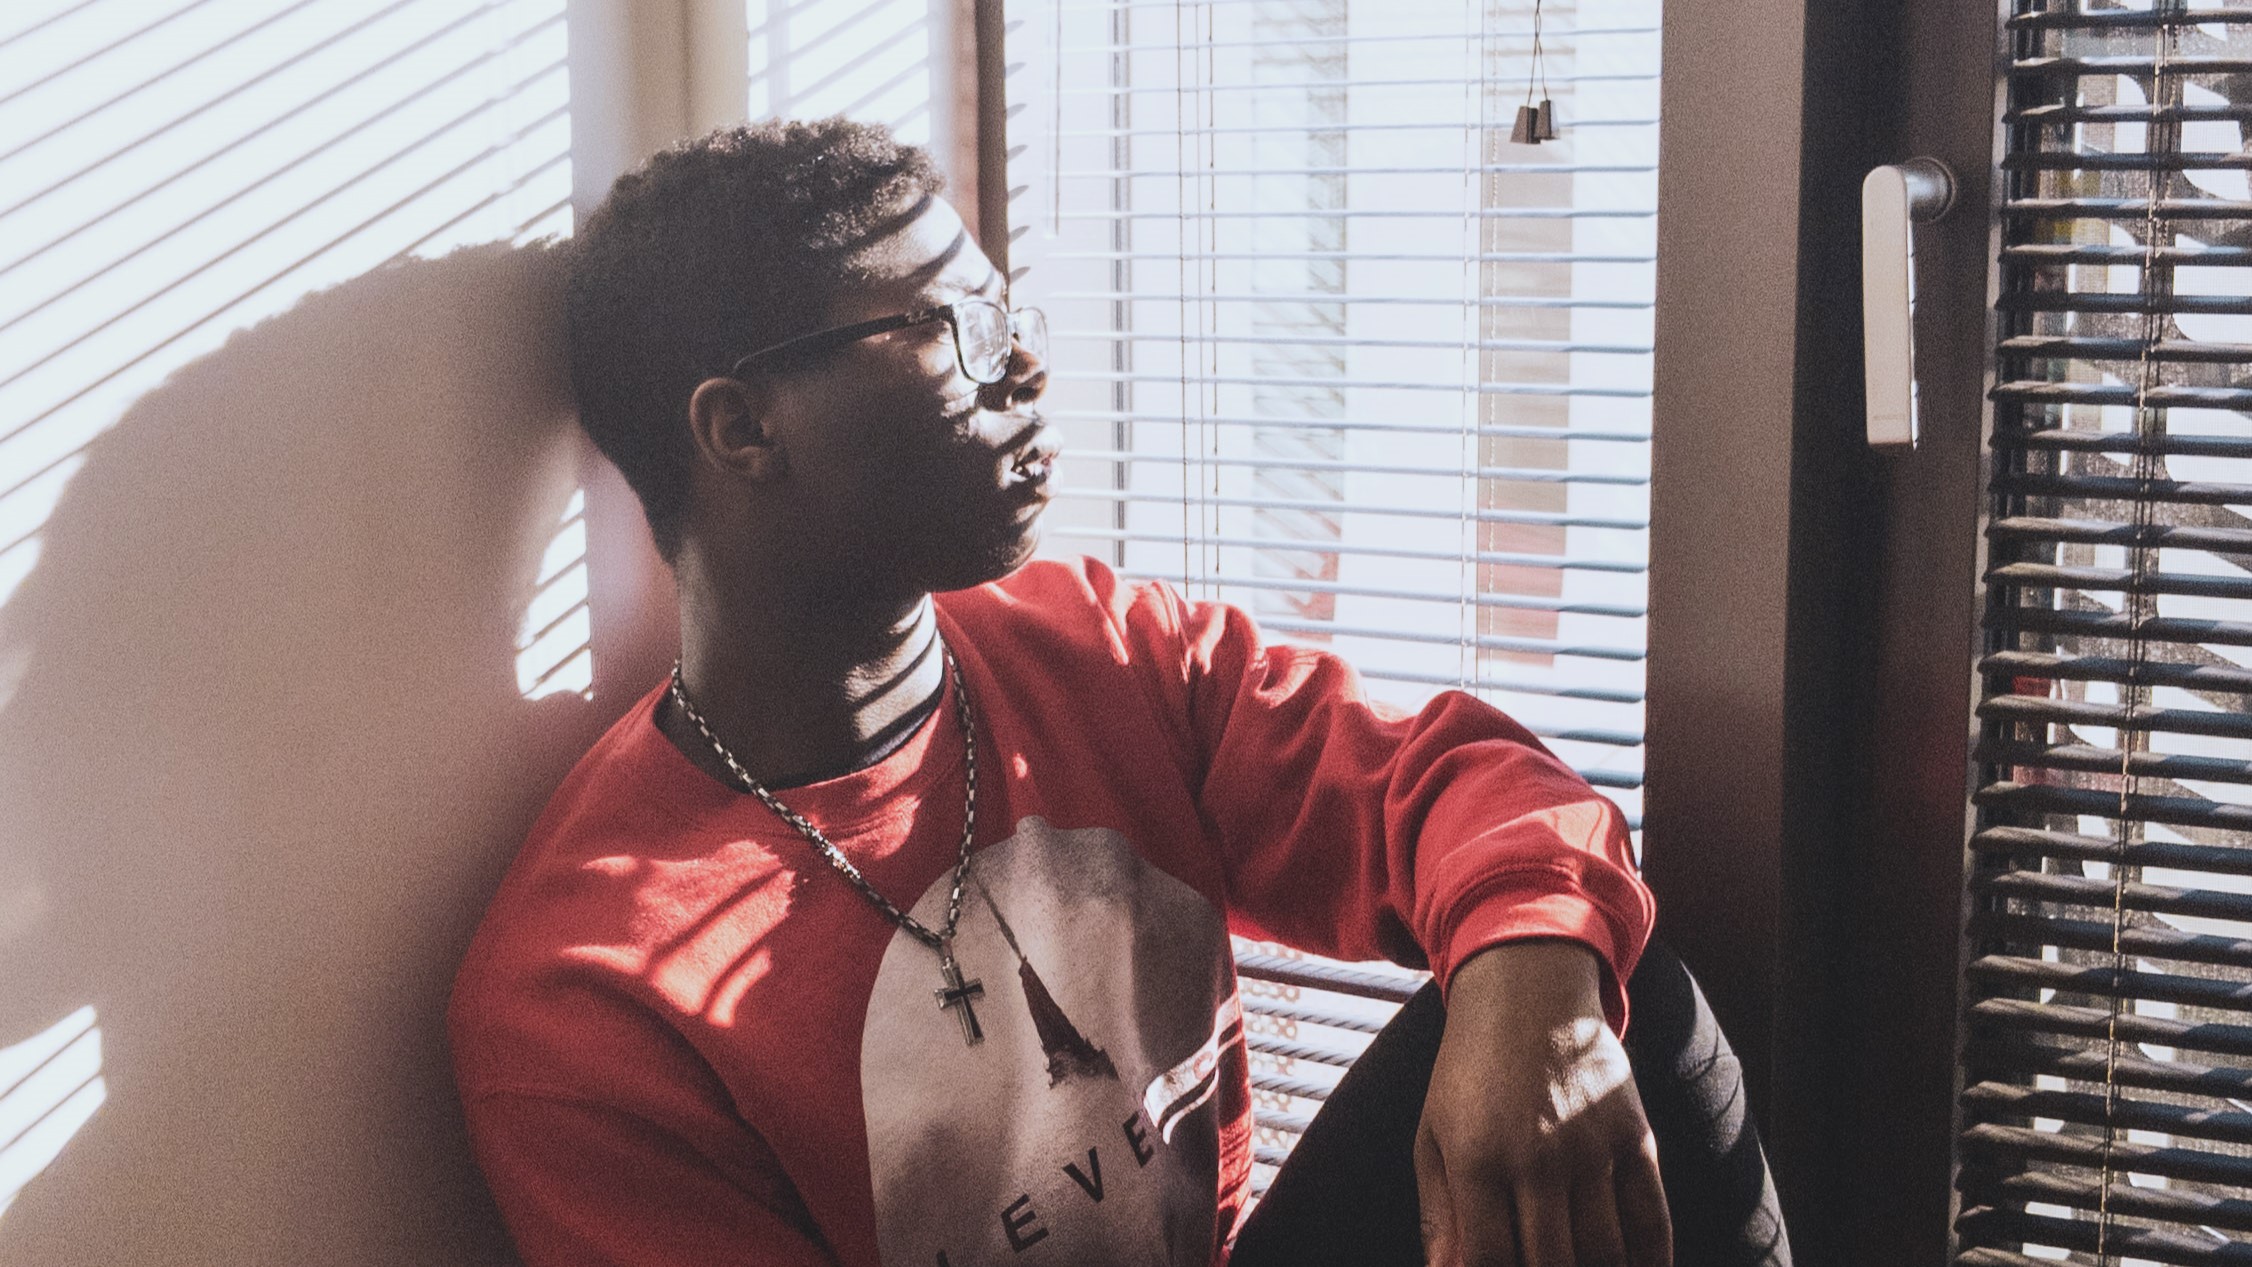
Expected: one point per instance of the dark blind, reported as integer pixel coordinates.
(2106, 1108)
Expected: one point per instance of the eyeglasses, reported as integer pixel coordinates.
(985, 335)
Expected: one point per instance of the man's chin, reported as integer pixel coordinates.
(994, 563)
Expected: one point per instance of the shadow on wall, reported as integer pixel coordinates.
(262, 759)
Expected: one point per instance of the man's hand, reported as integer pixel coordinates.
(1533, 1151)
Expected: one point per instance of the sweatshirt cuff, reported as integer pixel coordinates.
(1527, 907)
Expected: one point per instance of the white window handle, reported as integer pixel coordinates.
(1892, 200)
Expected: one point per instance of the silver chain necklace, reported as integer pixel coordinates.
(955, 992)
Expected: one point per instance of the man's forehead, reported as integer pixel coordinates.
(933, 249)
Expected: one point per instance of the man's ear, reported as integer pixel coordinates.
(727, 418)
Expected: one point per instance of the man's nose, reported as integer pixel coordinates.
(1024, 383)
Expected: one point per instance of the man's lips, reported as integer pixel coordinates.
(1034, 456)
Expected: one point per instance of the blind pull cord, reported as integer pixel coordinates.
(1535, 123)
(2141, 604)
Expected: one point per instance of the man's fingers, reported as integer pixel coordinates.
(1441, 1248)
(1485, 1222)
(1596, 1237)
(1648, 1228)
(1544, 1226)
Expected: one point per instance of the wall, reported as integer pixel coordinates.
(291, 646)
(262, 753)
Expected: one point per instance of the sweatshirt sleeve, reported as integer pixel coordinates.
(1354, 831)
(582, 1184)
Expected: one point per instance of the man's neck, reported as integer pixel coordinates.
(801, 692)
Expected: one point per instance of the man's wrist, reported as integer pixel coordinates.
(1541, 977)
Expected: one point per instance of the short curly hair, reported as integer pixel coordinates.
(684, 266)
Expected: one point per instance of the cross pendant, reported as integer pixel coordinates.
(958, 993)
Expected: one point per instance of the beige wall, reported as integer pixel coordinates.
(262, 756)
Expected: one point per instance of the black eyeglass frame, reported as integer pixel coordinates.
(838, 336)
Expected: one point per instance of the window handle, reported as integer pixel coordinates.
(1893, 200)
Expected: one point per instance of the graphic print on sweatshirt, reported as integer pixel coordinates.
(1084, 1126)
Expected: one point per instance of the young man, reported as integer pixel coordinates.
(893, 929)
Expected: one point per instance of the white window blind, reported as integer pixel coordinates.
(1331, 348)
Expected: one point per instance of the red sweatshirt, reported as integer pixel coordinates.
(681, 1038)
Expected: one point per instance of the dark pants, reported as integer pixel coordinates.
(1347, 1194)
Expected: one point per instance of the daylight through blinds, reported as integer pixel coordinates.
(2107, 1099)
(171, 173)
(1330, 347)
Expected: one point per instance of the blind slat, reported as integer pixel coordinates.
(1335, 1018)
(2184, 1249)
(1346, 300)
(2093, 760)
(1364, 213)
(2055, 439)
(1366, 983)
(2049, 576)
(1495, 388)
(1343, 507)
(1285, 339)
(2052, 115)
(2135, 896)
(2040, 709)
(1345, 549)
(1456, 125)
(2075, 18)
(2191, 677)
(1488, 598)
(2182, 811)
(1130, 255)
(2087, 624)
(2155, 941)
(2122, 1198)
(2135, 209)
(1483, 169)
(2105, 532)
(1345, 41)
(1287, 1123)
(1998, 1142)
(2010, 970)
(2117, 302)
(2220, 1126)
(1518, 686)
(2087, 162)
(2114, 488)
(2050, 1020)
(2129, 64)
(2037, 843)
(1506, 474)
(1988, 1256)
(1998, 1053)
(1287, 85)
(2108, 348)
(1332, 1054)
(1479, 515)
(1577, 435)
(1484, 642)
(1296, 1088)
(2129, 256)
